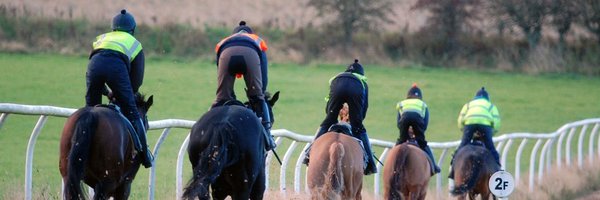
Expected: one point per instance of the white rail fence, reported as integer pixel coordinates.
(559, 143)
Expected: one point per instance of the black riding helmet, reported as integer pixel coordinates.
(414, 92)
(482, 94)
(242, 26)
(356, 68)
(124, 22)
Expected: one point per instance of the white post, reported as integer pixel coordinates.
(179, 168)
(29, 157)
(152, 178)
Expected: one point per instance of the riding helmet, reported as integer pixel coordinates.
(356, 68)
(414, 92)
(242, 27)
(482, 94)
(124, 22)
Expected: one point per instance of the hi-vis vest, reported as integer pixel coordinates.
(479, 111)
(260, 43)
(363, 80)
(119, 41)
(412, 105)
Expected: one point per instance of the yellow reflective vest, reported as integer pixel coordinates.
(362, 78)
(412, 105)
(479, 111)
(119, 41)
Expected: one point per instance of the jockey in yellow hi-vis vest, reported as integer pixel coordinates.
(413, 112)
(479, 115)
(117, 60)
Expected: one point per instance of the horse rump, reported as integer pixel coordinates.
(471, 169)
(81, 140)
(211, 163)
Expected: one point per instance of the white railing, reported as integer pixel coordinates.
(548, 142)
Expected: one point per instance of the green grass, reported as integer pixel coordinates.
(184, 89)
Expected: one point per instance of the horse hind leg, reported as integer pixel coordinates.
(101, 191)
(122, 192)
(419, 194)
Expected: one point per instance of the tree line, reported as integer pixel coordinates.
(533, 36)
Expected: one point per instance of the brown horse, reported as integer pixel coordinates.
(473, 166)
(96, 147)
(406, 172)
(336, 167)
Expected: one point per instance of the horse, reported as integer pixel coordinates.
(227, 152)
(96, 147)
(473, 166)
(336, 167)
(406, 171)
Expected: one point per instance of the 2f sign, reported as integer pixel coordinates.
(501, 184)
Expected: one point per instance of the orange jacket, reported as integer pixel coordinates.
(260, 43)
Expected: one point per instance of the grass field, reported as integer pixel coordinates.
(184, 89)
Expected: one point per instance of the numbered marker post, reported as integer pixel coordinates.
(501, 184)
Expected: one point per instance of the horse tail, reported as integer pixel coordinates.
(211, 163)
(400, 163)
(475, 164)
(79, 154)
(336, 178)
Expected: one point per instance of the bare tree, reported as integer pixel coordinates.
(564, 13)
(351, 15)
(528, 15)
(590, 15)
(450, 18)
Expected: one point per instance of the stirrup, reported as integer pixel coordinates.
(305, 160)
(147, 159)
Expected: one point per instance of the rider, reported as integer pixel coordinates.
(244, 54)
(349, 87)
(117, 60)
(413, 112)
(479, 115)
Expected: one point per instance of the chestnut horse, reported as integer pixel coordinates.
(473, 166)
(96, 147)
(227, 153)
(406, 172)
(336, 167)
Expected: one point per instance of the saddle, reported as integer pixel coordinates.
(132, 133)
(413, 142)
(230, 103)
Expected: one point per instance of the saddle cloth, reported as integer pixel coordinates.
(344, 128)
(132, 133)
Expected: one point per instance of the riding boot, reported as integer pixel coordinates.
(451, 173)
(320, 132)
(434, 167)
(262, 110)
(371, 167)
(147, 158)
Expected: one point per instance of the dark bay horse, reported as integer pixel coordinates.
(96, 147)
(336, 167)
(473, 166)
(227, 153)
(406, 173)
